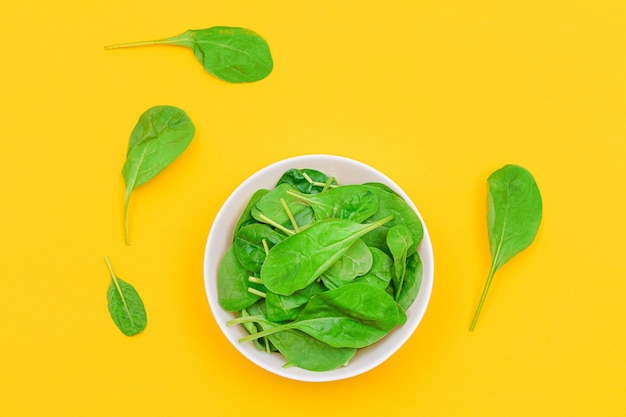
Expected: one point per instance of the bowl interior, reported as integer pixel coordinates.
(346, 171)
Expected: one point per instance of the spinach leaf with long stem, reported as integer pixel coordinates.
(298, 260)
(355, 316)
(514, 211)
(232, 54)
(298, 348)
(161, 134)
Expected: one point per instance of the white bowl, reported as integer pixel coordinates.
(346, 171)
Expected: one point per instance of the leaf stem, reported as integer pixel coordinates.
(326, 185)
(126, 233)
(276, 225)
(256, 292)
(483, 296)
(290, 215)
(184, 39)
(118, 288)
(255, 280)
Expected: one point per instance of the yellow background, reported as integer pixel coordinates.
(437, 95)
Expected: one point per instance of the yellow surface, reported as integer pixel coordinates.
(435, 94)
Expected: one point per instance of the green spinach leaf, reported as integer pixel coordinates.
(277, 206)
(125, 305)
(298, 348)
(232, 54)
(399, 241)
(352, 202)
(514, 211)
(246, 216)
(390, 204)
(286, 307)
(161, 134)
(354, 316)
(307, 181)
(412, 281)
(357, 261)
(233, 284)
(300, 259)
(380, 273)
(250, 244)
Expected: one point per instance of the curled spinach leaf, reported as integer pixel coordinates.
(399, 241)
(232, 54)
(514, 211)
(161, 134)
(412, 281)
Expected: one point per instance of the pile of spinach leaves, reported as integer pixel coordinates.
(318, 270)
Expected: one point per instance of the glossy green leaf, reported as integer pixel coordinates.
(380, 273)
(399, 241)
(161, 134)
(125, 305)
(249, 244)
(514, 211)
(246, 215)
(300, 259)
(390, 204)
(357, 261)
(412, 281)
(307, 181)
(271, 207)
(300, 349)
(352, 202)
(287, 307)
(233, 283)
(355, 315)
(232, 54)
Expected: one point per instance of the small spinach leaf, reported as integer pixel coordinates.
(307, 181)
(412, 281)
(399, 241)
(380, 273)
(232, 54)
(249, 246)
(357, 261)
(352, 202)
(514, 211)
(233, 284)
(287, 307)
(161, 134)
(246, 216)
(391, 204)
(271, 207)
(125, 305)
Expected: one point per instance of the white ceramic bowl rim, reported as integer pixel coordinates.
(347, 171)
